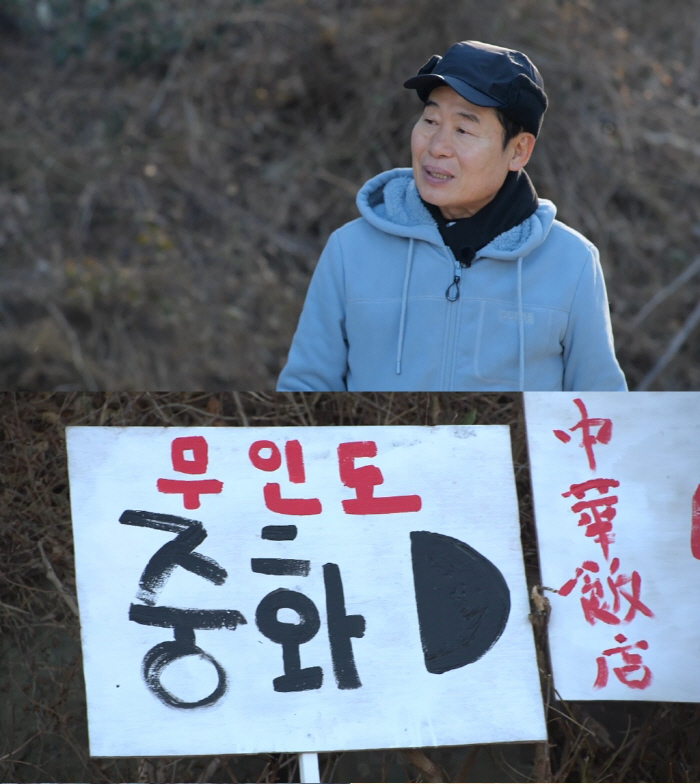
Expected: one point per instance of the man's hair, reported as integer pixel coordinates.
(510, 128)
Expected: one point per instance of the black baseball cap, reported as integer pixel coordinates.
(487, 75)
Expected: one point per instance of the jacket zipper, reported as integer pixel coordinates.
(452, 292)
(452, 295)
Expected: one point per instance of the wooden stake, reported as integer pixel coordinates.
(308, 768)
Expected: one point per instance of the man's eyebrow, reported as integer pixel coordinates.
(466, 115)
(472, 117)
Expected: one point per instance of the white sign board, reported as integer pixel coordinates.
(616, 486)
(248, 590)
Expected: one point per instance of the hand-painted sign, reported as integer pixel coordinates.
(615, 481)
(300, 589)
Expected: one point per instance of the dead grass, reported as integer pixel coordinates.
(169, 172)
(43, 731)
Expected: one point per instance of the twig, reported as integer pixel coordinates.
(611, 760)
(226, 210)
(539, 618)
(69, 600)
(297, 409)
(178, 408)
(569, 716)
(468, 763)
(428, 767)
(19, 748)
(671, 139)
(635, 746)
(542, 766)
(85, 202)
(210, 770)
(667, 291)
(674, 347)
(331, 765)
(309, 412)
(340, 182)
(164, 86)
(14, 609)
(146, 771)
(241, 411)
(76, 353)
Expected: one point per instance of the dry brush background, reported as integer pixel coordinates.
(43, 723)
(170, 170)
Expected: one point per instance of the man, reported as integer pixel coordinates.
(457, 277)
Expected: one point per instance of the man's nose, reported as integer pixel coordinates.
(440, 143)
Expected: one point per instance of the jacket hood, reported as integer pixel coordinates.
(390, 202)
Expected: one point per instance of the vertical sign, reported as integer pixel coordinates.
(616, 481)
(300, 589)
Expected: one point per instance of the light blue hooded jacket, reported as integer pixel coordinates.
(532, 311)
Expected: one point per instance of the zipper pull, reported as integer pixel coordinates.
(452, 293)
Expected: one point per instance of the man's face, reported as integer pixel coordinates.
(459, 163)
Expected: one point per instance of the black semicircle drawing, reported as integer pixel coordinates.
(462, 599)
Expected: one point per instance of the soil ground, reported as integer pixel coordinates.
(170, 171)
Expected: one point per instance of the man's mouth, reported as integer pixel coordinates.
(437, 175)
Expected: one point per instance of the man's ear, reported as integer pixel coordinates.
(521, 148)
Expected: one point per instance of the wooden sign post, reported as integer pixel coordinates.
(616, 486)
(308, 767)
(300, 590)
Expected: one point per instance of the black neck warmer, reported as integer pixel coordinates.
(514, 203)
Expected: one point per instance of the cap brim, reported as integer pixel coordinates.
(426, 83)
